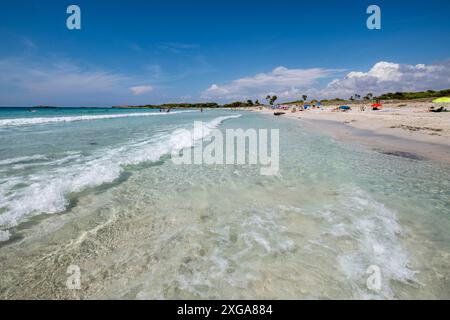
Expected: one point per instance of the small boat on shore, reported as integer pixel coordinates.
(278, 113)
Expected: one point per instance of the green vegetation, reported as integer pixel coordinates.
(240, 104)
(332, 101)
(175, 106)
(314, 101)
(207, 105)
(237, 104)
(430, 94)
(298, 102)
(415, 95)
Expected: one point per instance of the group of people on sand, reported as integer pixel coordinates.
(376, 106)
(318, 106)
(336, 109)
(304, 108)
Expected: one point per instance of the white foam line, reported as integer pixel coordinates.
(32, 121)
(22, 159)
(46, 191)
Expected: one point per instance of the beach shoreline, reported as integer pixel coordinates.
(409, 130)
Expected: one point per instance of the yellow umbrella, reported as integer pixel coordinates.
(442, 100)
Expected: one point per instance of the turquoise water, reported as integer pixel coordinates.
(97, 189)
(51, 153)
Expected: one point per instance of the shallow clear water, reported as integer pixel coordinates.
(103, 194)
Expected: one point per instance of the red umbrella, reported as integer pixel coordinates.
(375, 105)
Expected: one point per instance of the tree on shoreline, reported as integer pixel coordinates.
(271, 99)
(369, 96)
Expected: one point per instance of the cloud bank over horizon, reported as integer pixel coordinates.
(276, 81)
(55, 81)
(67, 83)
(287, 83)
(386, 77)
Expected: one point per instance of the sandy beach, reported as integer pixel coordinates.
(406, 127)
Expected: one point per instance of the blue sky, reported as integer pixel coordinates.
(133, 52)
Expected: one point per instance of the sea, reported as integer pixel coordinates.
(95, 190)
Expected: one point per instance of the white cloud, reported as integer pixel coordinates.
(281, 80)
(292, 83)
(138, 90)
(55, 82)
(390, 77)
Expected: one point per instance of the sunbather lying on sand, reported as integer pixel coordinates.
(440, 109)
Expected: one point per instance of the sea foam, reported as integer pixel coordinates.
(43, 120)
(372, 236)
(46, 192)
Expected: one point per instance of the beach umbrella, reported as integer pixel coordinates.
(344, 107)
(442, 100)
(376, 105)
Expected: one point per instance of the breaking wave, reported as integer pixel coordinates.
(33, 121)
(45, 191)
